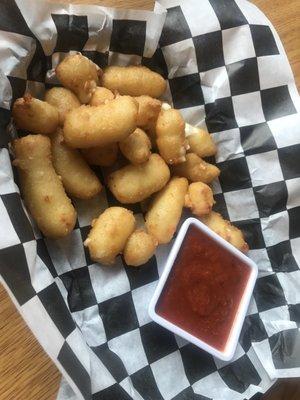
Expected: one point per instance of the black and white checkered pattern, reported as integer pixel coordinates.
(226, 70)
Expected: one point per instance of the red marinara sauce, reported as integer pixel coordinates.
(204, 289)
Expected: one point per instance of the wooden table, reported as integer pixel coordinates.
(26, 372)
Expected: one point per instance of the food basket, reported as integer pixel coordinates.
(227, 71)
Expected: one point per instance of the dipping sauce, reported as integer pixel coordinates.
(204, 289)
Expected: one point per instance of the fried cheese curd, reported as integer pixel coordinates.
(77, 177)
(196, 170)
(149, 109)
(170, 136)
(79, 74)
(41, 187)
(140, 247)
(34, 115)
(133, 81)
(63, 100)
(90, 126)
(199, 198)
(200, 141)
(136, 147)
(165, 211)
(109, 234)
(134, 183)
(226, 230)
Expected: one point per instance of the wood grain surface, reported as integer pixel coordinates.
(26, 372)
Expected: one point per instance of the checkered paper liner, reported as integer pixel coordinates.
(227, 70)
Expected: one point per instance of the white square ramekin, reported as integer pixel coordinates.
(232, 341)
